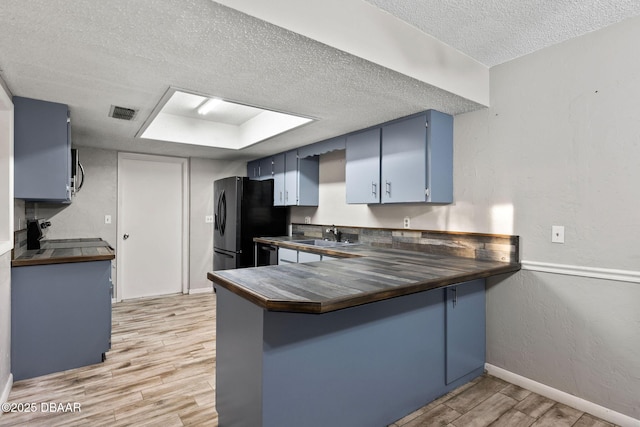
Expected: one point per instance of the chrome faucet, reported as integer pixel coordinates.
(336, 233)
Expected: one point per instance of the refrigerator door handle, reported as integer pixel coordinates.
(223, 212)
(223, 254)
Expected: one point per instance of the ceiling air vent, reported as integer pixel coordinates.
(122, 113)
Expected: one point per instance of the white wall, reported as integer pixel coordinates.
(203, 173)
(6, 237)
(559, 146)
(5, 326)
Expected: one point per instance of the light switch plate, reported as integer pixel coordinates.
(557, 234)
(107, 219)
(208, 219)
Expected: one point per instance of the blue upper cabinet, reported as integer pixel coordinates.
(404, 161)
(42, 151)
(278, 180)
(291, 178)
(417, 159)
(308, 181)
(295, 180)
(362, 173)
(260, 169)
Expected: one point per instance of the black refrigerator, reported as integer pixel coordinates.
(243, 210)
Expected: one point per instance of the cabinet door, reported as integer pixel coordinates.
(404, 157)
(278, 180)
(465, 328)
(265, 168)
(287, 256)
(308, 257)
(363, 167)
(42, 151)
(308, 179)
(291, 178)
(252, 169)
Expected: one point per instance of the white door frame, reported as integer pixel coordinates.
(185, 215)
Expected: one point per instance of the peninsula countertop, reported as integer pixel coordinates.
(363, 275)
(59, 251)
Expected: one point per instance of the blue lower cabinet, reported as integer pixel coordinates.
(60, 317)
(363, 366)
(465, 328)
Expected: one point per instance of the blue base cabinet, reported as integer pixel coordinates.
(60, 317)
(362, 366)
(465, 326)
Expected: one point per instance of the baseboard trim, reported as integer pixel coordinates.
(6, 390)
(201, 291)
(576, 270)
(563, 397)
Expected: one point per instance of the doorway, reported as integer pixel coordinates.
(152, 245)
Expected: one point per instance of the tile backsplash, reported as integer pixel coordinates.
(494, 247)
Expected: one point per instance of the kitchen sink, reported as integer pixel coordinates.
(318, 242)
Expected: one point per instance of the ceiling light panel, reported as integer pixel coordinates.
(189, 118)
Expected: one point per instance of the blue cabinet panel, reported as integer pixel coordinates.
(362, 174)
(260, 169)
(278, 180)
(291, 178)
(404, 157)
(308, 181)
(465, 328)
(60, 317)
(42, 151)
(295, 181)
(439, 157)
(403, 161)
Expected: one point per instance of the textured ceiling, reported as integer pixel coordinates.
(497, 31)
(91, 55)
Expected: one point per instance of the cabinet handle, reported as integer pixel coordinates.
(374, 188)
(281, 196)
(259, 171)
(286, 196)
(455, 296)
(388, 188)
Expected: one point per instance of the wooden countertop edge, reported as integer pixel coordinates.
(353, 301)
(60, 260)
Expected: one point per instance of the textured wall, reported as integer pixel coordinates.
(203, 173)
(559, 146)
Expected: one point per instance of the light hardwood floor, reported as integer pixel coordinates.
(161, 372)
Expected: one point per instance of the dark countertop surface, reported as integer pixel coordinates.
(365, 274)
(59, 251)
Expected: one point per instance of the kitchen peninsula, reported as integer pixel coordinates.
(361, 340)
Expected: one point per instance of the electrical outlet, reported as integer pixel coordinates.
(557, 234)
(407, 222)
(307, 220)
(208, 219)
(107, 219)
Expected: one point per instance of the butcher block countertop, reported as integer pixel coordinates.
(65, 251)
(364, 274)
